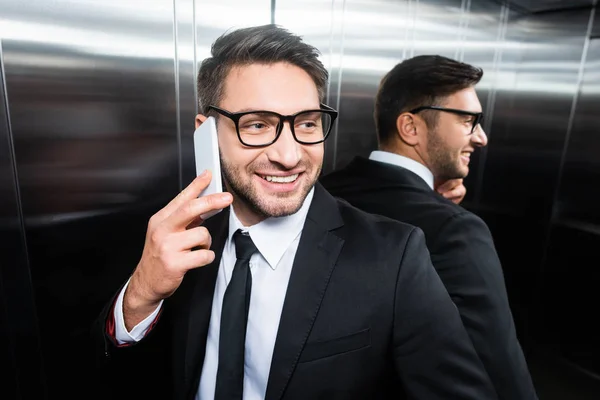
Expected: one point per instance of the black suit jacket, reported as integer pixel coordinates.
(365, 317)
(463, 253)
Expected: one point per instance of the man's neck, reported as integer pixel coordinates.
(405, 162)
(246, 215)
(404, 152)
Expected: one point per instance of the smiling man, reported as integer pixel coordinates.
(428, 120)
(287, 293)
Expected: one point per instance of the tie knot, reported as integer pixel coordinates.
(244, 246)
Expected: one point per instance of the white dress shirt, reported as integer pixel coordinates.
(277, 241)
(404, 162)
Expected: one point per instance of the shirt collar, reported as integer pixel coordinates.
(404, 162)
(273, 235)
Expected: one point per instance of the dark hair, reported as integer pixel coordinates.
(419, 81)
(266, 44)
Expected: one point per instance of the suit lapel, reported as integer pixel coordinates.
(202, 286)
(315, 259)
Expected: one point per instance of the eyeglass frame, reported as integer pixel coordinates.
(478, 116)
(235, 117)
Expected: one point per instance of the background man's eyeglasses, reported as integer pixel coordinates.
(477, 117)
(262, 128)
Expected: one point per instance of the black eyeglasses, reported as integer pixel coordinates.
(477, 116)
(263, 128)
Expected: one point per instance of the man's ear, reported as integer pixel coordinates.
(407, 126)
(200, 118)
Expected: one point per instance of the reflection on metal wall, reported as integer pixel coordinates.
(20, 357)
(93, 112)
(538, 81)
(575, 229)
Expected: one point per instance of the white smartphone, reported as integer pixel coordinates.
(206, 150)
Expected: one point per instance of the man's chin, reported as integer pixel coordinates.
(279, 206)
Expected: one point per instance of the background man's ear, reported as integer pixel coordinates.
(407, 125)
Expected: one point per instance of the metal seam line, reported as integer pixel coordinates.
(406, 30)
(330, 61)
(491, 101)
(273, 5)
(457, 52)
(539, 283)
(563, 156)
(195, 41)
(177, 93)
(21, 215)
(339, 88)
(465, 29)
(11, 146)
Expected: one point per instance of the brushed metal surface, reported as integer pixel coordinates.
(93, 114)
(20, 350)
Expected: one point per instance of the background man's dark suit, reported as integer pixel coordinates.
(363, 302)
(462, 252)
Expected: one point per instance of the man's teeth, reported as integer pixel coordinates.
(281, 179)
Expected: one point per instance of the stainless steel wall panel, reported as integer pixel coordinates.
(568, 297)
(596, 27)
(580, 184)
(20, 351)
(538, 80)
(321, 24)
(538, 6)
(91, 88)
(532, 113)
(575, 231)
(185, 72)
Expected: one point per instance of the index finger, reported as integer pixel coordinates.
(189, 211)
(190, 192)
(449, 184)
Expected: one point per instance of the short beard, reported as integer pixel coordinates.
(441, 163)
(250, 198)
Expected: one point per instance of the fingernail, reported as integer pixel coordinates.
(226, 196)
(203, 174)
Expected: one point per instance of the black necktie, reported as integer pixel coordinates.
(234, 318)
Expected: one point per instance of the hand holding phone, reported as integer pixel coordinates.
(206, 150)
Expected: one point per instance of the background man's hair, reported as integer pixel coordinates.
(266, 44)
(419, 81)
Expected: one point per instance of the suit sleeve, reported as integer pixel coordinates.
(466, 260)
(434, 356)
(127, 368)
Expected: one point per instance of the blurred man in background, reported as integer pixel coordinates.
(428, 119)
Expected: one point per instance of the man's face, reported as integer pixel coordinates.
(450, 143)
(270, 181)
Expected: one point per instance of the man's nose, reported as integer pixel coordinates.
(479, 138)
(286, 151)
